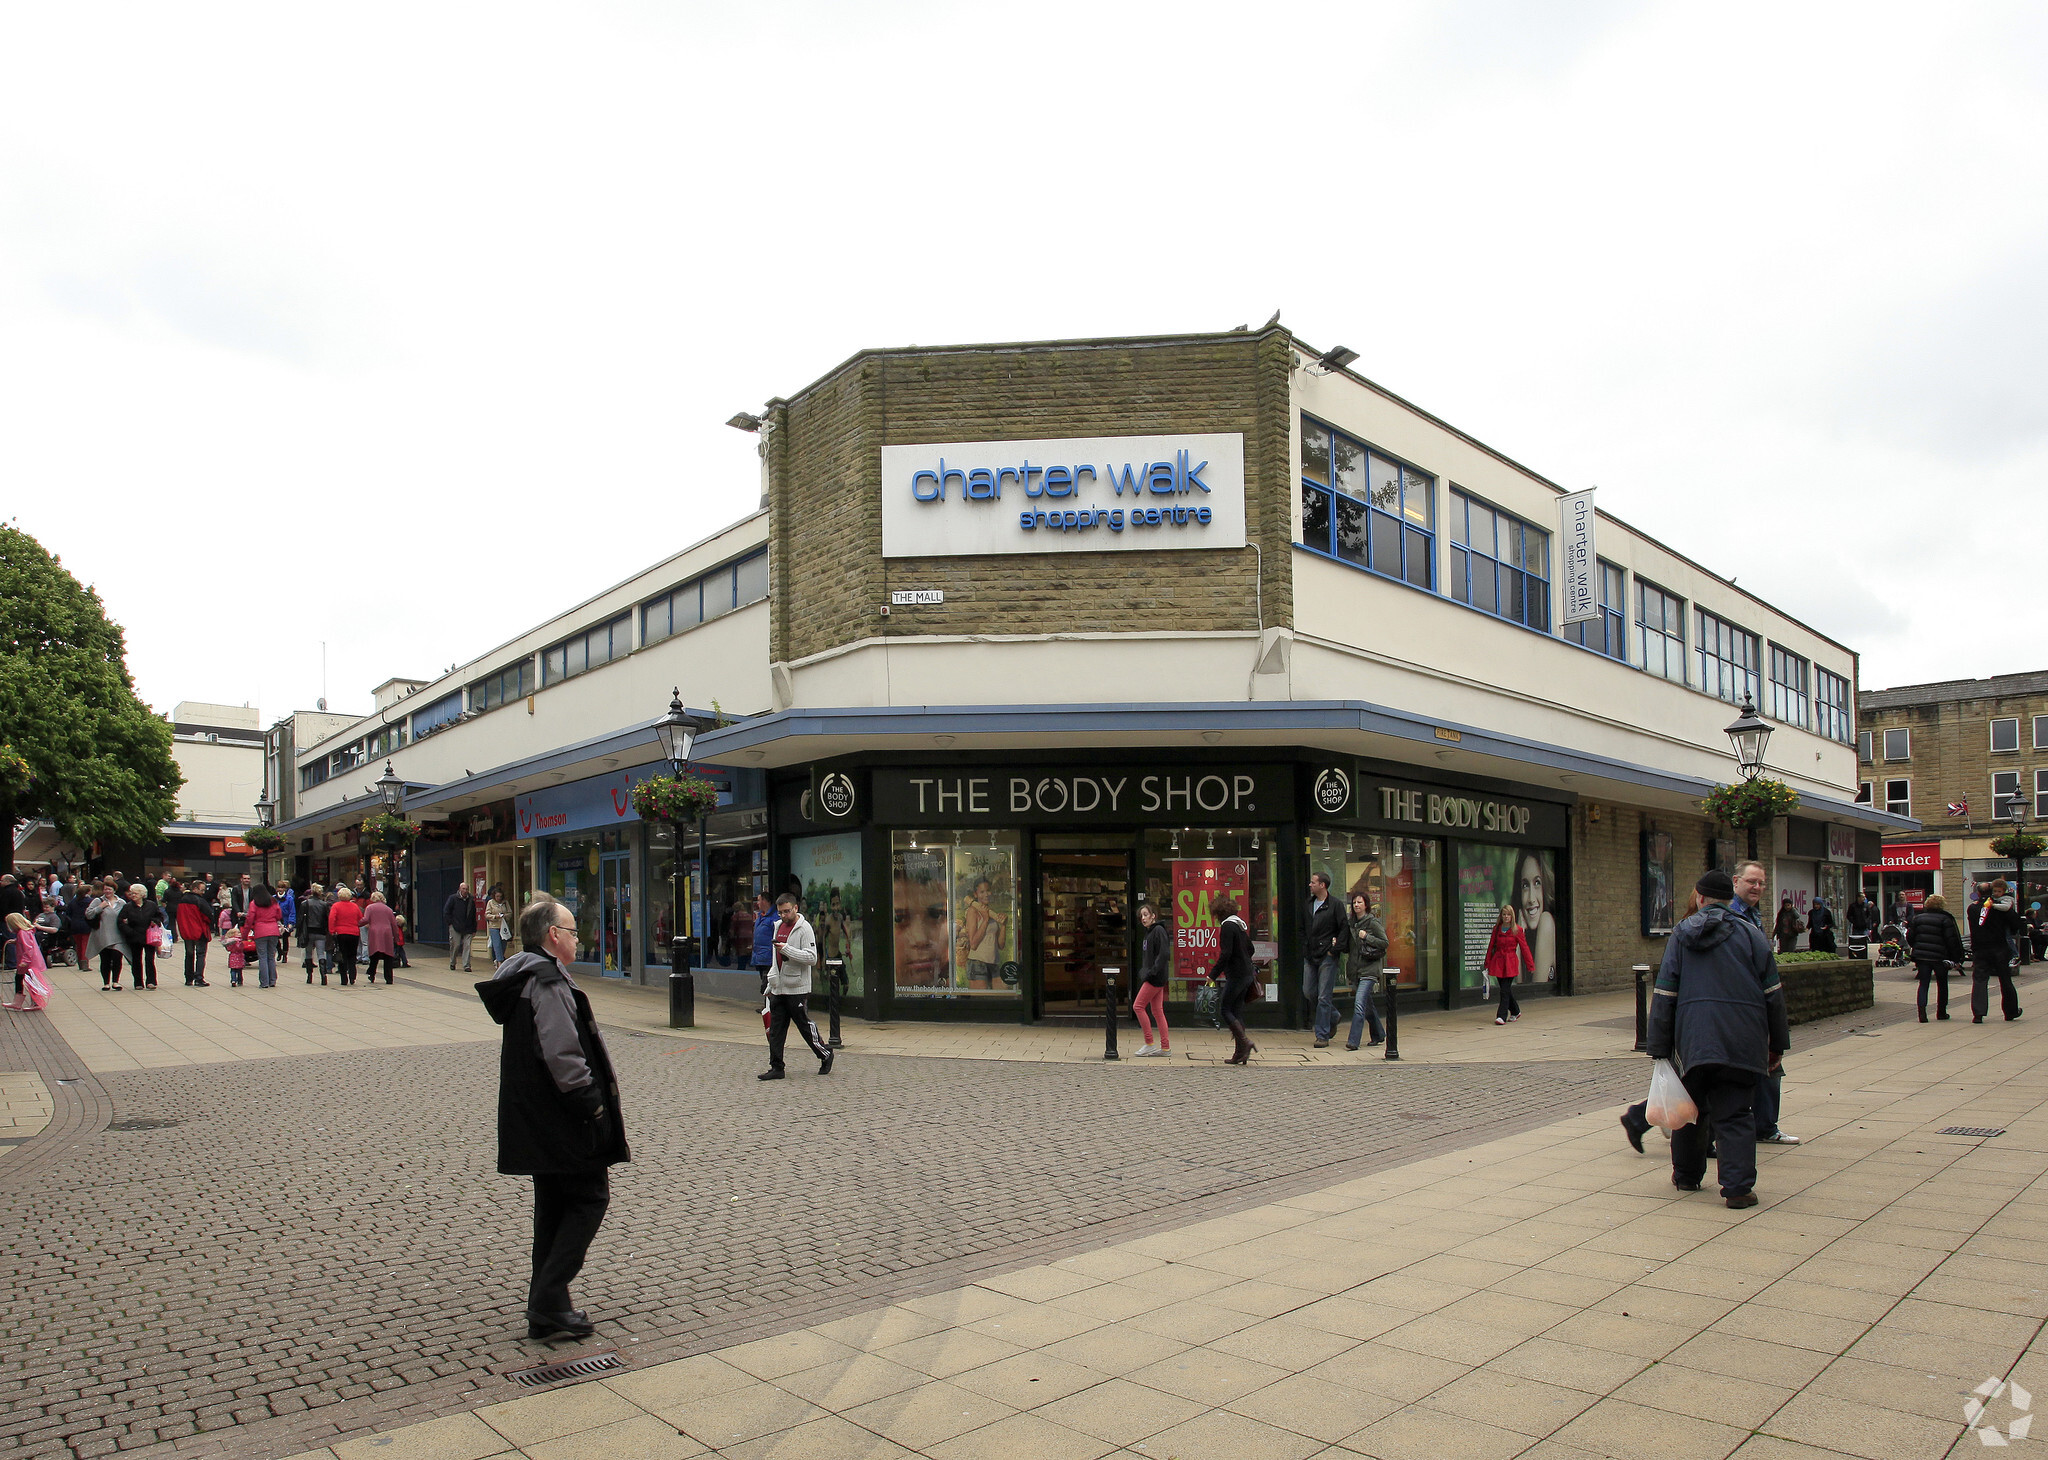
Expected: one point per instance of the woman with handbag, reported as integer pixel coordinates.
(1507, 954)
(135, 922)
(1368, 961)
(1233, 971)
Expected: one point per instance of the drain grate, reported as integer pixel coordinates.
(1971, 1130)
(581, 1368)
(142, 1123)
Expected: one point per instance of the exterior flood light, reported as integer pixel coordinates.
(1337, 358)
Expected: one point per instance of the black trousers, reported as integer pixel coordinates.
(345, 955)
(784, 1010)
(390, 962)
(110, 965)
(1980, 992)
(1508, 1004)
(567, 1211)
(1727, 1101)
(1939, 973)
(140, 957)
(195, 959)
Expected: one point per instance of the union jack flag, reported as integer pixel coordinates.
(1958, 808)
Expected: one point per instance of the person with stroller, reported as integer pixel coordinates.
(1937, 946)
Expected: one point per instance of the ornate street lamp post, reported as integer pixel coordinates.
(1750, 735)
(677, 736)
(266, 817)
(391, 792)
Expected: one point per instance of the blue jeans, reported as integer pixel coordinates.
(266, 963)
(497, 946)
(1363, 1012)
(1319, 986)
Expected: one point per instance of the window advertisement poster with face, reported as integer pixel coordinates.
(1660, 883)
(1521, 878)
(1198, 883)
(827, 868)
(921, 917)
(985, 914)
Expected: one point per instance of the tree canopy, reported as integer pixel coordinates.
(76, 745)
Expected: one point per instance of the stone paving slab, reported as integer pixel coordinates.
(1546, 1295)
(25, 1106)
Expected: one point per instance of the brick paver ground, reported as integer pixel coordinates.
(257, 1256)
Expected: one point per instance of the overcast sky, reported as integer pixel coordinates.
(400, 327)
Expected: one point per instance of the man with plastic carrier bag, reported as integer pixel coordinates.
(1719, 1014)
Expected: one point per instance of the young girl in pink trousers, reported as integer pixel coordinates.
(31, 974)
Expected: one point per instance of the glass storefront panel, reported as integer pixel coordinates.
(953, 911)
(1185, 871)
(1402, 877)
(598, 890)
(735, 871)
(827, 872)
(1522, 878)
(658, 899)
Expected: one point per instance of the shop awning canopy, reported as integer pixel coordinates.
(1341, 727)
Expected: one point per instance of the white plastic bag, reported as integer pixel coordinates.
(1669, 1107)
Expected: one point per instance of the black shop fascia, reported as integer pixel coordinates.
(1438, 857)
(1006, 886)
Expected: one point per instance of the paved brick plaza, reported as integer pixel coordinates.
(1384, 1260)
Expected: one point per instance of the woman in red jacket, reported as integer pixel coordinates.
(264, 921)
(1507, 954)
(344, 922)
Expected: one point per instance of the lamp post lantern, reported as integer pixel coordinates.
(1750, 734)
(390, 789)
(266, 817)
(2019, 863)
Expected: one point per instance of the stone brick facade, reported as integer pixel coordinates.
(1950, 742)
(1607, 940)
(824, 469)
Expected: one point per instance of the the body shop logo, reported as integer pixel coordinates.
(1332, 791)
(835, 795)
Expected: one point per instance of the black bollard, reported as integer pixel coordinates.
(1109, 1013)
(835, 976)
(1642, 1006)
(682, 987)
(1393, 1021)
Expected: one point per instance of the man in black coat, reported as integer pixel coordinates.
(558, 1109)
(1719, 1010)
(459, 912)
(1325, 937)
(1993, 923)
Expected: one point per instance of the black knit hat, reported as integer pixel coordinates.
(1716, 884)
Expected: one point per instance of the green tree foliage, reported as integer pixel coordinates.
(99, 764)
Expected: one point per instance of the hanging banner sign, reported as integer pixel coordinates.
(1087, 494)
(1578, 565)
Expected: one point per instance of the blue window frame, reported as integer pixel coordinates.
(720, 591)
(1605, 634)
(591, 649)
(1727, 659)
(444, 711)
(313, 775)
(1499, 563)
(1831, 705)
(1785, 695)
(513, 683)
(1660, 631)
(1366, 508)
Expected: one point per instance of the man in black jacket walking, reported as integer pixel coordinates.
(1324, 937)
(558, 1109)
(1720, 1011)
(459, 911)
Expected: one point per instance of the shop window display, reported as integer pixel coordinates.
(953, 913)
(662, 885)
(827, 872)
(1186, 871)
(1402, 876)
(735, 870)
(1523, 878)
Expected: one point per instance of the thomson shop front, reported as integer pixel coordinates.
(1008, 889)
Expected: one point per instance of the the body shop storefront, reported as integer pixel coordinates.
(1438, 861)
(1009, 890)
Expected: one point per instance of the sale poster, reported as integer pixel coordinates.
(1197, 885)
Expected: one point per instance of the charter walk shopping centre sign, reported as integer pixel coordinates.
(1091, 494)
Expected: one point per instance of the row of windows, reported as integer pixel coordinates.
(591, 649)
(2005, 739)
(717, 593)
(369, 748)
(1363, 507)
(510, 685)
(2005, 790)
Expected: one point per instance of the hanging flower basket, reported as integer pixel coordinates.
(264, 838)
(674, 799)
(2019, 845)
(388, 829)
(1750, 803)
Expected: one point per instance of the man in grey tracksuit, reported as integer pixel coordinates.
(789, 986)
(1719, 1010)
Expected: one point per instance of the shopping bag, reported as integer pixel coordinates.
(1207, 1004)
(1669, 1107)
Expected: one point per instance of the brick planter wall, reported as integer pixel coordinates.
(1837, 986)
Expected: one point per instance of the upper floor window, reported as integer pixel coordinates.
(444, 711)
(313, 775)
(1898, 745)
(1785, 694)
(1660, 631)
(720, 591)
(2005, 734)
(1898, 797)
(2041, 795)
(1831, 705)
(1603, 635)
(1362, 506)
(1863, 789)
(2041, 732)
(1863, 746)
(1499, 563)
(589, 650)
(2005, 789)
(1727, 659)
(515, 682)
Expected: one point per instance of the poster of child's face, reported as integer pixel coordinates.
(922, 919)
